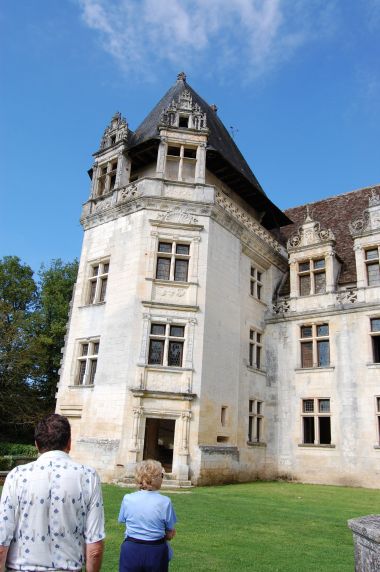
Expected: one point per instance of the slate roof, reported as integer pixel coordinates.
(334, 213)
(221, 151)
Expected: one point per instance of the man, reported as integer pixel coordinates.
(51, 510)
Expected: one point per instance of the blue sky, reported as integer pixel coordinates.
(297, 80)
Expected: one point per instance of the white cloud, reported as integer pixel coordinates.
(247, 36)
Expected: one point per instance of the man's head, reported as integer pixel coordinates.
(53, 433)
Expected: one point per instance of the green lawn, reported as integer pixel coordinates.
(263, 526)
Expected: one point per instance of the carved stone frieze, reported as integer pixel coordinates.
(172, 292)
(247, 221)
(177, 214)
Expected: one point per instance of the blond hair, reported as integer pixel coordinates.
(148, 475)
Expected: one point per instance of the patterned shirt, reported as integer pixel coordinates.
(49, 510)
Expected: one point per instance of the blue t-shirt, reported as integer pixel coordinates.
(147, 515)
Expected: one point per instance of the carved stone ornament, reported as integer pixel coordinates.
(310, 234)
(102, 205)
(370, 219)
(178, 215)
(115, 131)
(128, 193)
(347, 297)
(281, 306)
(184, 107)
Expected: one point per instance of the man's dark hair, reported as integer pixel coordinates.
(52, 433)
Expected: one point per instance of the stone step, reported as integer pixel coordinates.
(169, 482)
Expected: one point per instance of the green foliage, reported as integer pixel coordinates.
(17, 449)
(260, 527)
(33, 317)
(55, 291)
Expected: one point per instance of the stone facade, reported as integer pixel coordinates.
(185, 334)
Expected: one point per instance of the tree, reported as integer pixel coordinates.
(56, 284)
(18, 299)
(33, 321)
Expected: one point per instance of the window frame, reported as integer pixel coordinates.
(372, 262)
(182, 158)
(312, 271)
(85, 374)
(255, 349)
(316, 414)
(173, 257)
(375, 339)
(377, 413)
(97, 283)
(256, 283)
(315, 340)
(106, 177)
(255, 421)
(167, 340)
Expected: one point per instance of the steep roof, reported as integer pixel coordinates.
(335, 213)
(223, 157)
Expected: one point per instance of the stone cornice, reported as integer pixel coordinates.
(162, 394)
(315, 313)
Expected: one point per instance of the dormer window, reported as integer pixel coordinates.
(312, 277)
(180, 163)
(372, 259)
(107, 177)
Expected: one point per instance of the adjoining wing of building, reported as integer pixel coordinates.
(210, 330)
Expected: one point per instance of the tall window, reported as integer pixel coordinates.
(255, 348)
(372, 258)
(255, 421)
(316, 421)
(106, 177)
(256, 284)
(180, 163)
(166, 344)
(172, 261)
(315, 345)
(312, 277)
(98, 282)
(87, 362)
(378, 418)
(375, 335)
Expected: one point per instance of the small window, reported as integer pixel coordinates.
(183, 121)
(255, 421)
(316, 421)
(223, 416)
(375, 338)
(378, 418)
(372, 259)
(255, 349)
(256, 284)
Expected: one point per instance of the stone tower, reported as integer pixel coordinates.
(177, 270)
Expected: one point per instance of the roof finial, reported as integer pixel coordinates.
(181, 76)
(214, 107)
(308, 216)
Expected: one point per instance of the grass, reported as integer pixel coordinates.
(260, 527)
